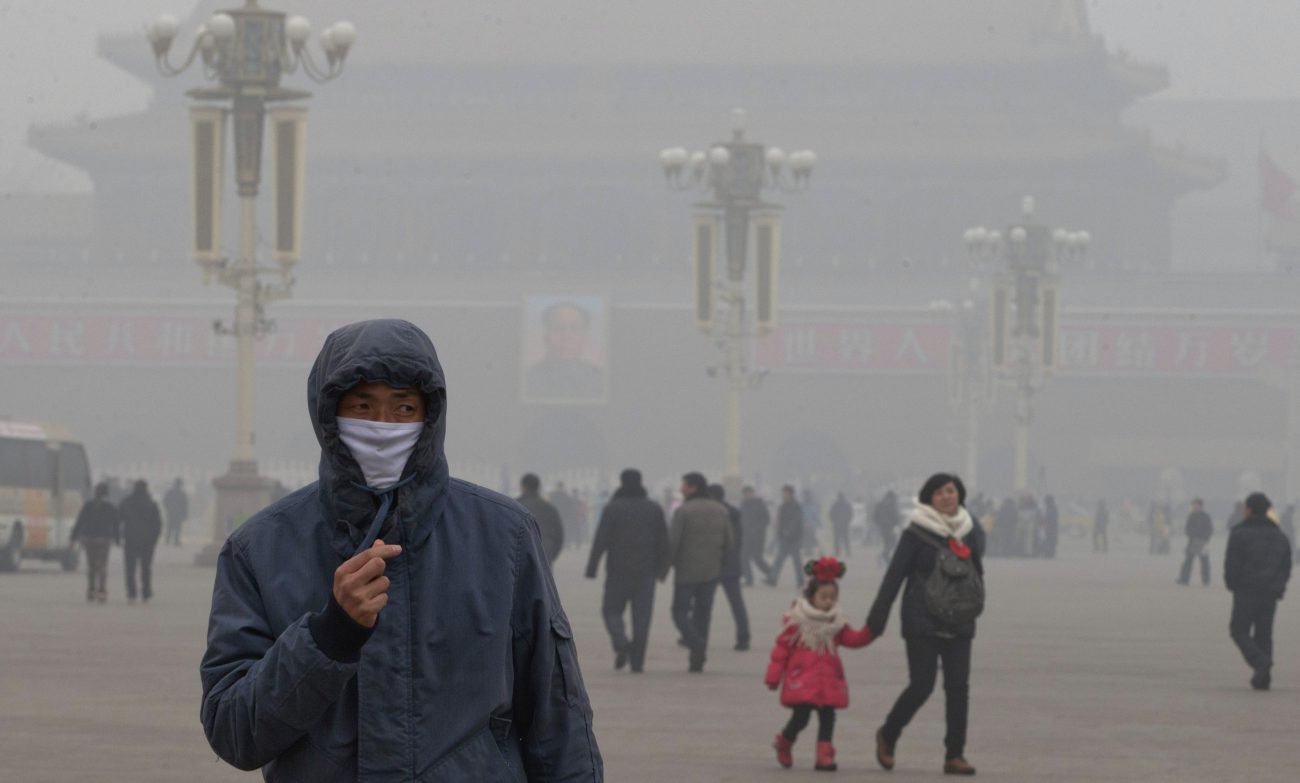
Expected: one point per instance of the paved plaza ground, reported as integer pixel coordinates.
(1087, 668)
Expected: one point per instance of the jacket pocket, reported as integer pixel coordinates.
(479, 758)
(567, 677)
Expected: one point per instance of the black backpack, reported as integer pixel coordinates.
(954, 591)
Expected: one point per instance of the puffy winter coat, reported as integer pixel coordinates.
(1258, 558)
(470, 672)
(809, 676)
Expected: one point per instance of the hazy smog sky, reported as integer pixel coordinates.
(49, 72)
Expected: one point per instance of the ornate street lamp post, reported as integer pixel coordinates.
(1024, 310)
(246, 51)
(736, 172)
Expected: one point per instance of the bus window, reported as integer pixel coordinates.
(25, 463)
(74, 471)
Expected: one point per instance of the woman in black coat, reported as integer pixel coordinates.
(939, 521)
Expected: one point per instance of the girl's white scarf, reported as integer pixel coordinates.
(817, 629)
(942, 525)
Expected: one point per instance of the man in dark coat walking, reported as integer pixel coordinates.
(841, 517)
(789, 537)
(141, 526)
(547, 516)
(754, 519)
(729, 578)
(98, 527)
(1199, 528)
(633, 537)
(1256, 568)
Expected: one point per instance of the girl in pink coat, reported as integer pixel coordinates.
(806, 657)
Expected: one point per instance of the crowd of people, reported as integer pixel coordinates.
(315, 615)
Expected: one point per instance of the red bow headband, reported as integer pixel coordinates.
(827, 569)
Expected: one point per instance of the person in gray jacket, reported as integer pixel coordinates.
(388, 622)
(699, 538)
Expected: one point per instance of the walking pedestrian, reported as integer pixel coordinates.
(97, 528)
(141, 526)
(389, 622)
(729, 577)
(547, 516)
(1100, 522)
(885, 518)
(754, 518)
(1256, 568)
(841, 514)
(176, 504)
(1199, 528)
(633, 538)
(789, 537)
(1051, 527)
(812, 522)
(698, 539)
(939, 523)
(805, 662)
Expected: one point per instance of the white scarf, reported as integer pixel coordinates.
(817, 629)
(381, 448)
(956, 526)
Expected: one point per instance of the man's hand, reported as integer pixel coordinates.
(360, 586)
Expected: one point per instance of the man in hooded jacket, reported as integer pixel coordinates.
(389, 623)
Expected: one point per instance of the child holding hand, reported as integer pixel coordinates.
(806, 658)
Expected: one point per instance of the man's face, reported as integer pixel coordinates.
(1196, 506)
(566, 333)
(381, 402)
(687, 490)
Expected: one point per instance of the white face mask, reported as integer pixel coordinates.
(381, 448)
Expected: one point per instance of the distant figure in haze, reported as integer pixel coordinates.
(886, 518)
(633, 538)
(177, 506)
(729, 577)
(789, 537)
(565, 503)
(564, 372)
(754, 518)
(698, 539)
(1238, 514)
(1199, 528)
(548, 518)
(812, 522)
(1051, 527)
(939, 523)
(1100, 522)
(141, 526)
(1256, 568)
(1158, 527)
(98, 527)
(841, 514)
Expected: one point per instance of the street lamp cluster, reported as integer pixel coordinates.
(737, 172)
(246, 51)
(1023, 312)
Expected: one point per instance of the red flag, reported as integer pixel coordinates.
(1275, 186)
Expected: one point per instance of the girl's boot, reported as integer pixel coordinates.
(783, 746)
(826, 757)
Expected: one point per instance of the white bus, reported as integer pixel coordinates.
(44, 479)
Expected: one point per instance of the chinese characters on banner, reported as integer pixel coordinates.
(1089, 346)
(150, 340)
(1104, 348)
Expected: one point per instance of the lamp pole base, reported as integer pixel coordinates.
(241, 493)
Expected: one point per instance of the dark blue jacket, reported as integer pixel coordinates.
(470, 672)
